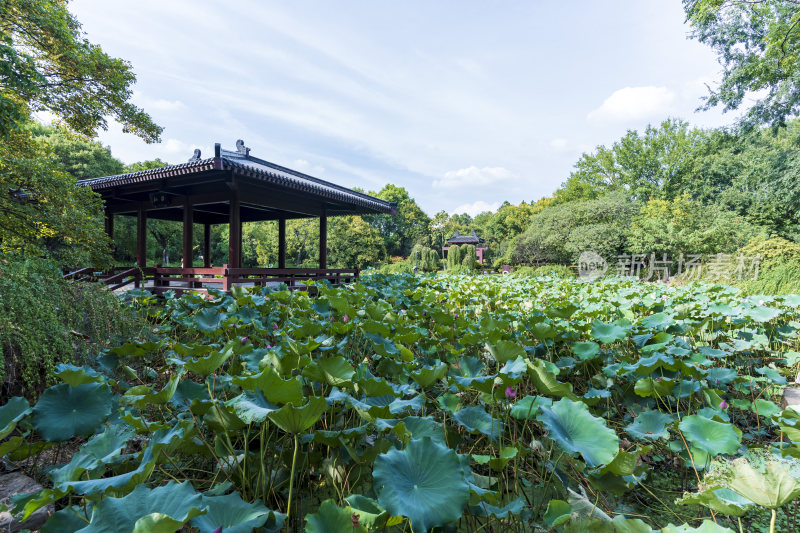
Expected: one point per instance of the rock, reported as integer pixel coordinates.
(18, 483)
(791, 397)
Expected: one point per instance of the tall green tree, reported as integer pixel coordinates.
(758, 45)
(46, 64)
(402, 230)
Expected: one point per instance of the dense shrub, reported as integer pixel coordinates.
(425, 259)
(454, 257)
(45, 321)
(544, 271)
(468, 258)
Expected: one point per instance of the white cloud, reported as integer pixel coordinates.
(558, 144)
(157, 104)
(635, 103)
(476, 208)
(473, 177)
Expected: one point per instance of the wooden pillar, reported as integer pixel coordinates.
(141, 237)
(323, 241)
(188, 234)
(282, 243)
(110, 225)
(235, 234)
(206, 245)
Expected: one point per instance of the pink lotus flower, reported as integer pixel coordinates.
(510, 393)
(346, 318)
(723, 405)
(269, 346)
(275, 326)
(244, 340)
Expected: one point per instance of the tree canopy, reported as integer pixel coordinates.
(758, 45)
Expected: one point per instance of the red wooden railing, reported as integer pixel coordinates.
(162, 279)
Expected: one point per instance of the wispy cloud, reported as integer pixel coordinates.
(473, 177)
(635, 103)
(475, 208)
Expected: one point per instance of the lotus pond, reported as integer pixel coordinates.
(449, 403)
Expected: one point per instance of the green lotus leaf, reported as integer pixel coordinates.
(233, 515)
(710, 436)
(528, 407)
(765, 479)
(12, 412)
(222, 417)
(63, 412)
(575, 430)
(650, 425)
(543, 330)
(476, 420)
(647, 387)
(164, 509)
(762, 314)
(424, 482)
(208, 320)
(765, 408)
(101, 450)
(586, 350)
(295, 420)
(252, 406)
(720, 377)
(273, 386)
(513, 508)
(78, 375)
(336, 371)
(141, 395)
(373, 387)
(498, 463)
(546, 382)
(557, 513)
(706, 527)
(504, 351)
(607, 333)
(370, 514)
(67, 520)
(205, 366)
(427, 376)
(723, 501)
(330, 518)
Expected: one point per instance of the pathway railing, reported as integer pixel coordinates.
(201, 279)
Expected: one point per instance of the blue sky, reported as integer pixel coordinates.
(466, 104)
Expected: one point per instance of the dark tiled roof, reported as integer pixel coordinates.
(246, 165)
(465, 239)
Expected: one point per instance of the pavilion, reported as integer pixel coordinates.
(458, 240)
(231, 188)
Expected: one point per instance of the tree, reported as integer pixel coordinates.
(654, 163)
(758, 44)
(354, 243)
(47, 64)
(402, 230)
(77, 155)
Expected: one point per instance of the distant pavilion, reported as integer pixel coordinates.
(473, 239)
(231, 188)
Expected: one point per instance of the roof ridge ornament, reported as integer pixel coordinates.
(241, 148)
(195, 156)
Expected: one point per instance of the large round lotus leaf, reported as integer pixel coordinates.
(370, 514)
(586, 350)
(528, 407)
(710, 436)
(63, 412)
(650, 425)
(476, 420)
(424, 482)
(336, 371)
(504, 351)
(207, 365)
(607, 333)
(293, 419)
(723, 501)
(760, 476)
(330, 518)
(706, 527)
(12, 412)
(208, 320)
(252, 406)
(575, 430)
(232, 514)
(161, 510)
(545, 380)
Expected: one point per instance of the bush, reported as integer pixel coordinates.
(454, 256)
(468, 258)
(45, 321)
(544, 271)
(424, 259)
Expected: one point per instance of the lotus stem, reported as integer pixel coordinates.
(291, 480)
(772, 521)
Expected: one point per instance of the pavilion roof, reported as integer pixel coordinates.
(465, 239)
(241, 164)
